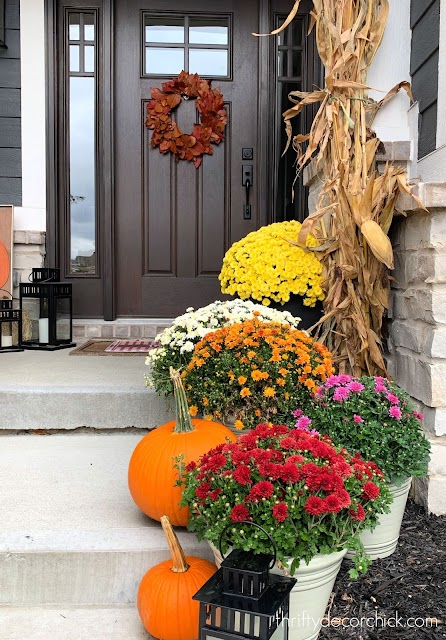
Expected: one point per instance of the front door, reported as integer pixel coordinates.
(173, 222)
(137, 233)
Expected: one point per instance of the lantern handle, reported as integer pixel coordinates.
(252, 524)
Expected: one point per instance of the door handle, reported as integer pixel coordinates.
(247, 182)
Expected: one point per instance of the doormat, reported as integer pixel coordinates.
(115, 348)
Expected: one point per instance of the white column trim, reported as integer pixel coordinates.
(32, 214)
(441, 119)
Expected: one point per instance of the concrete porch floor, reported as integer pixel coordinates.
(53, 390)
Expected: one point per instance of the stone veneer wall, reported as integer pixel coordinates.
(29, 252)
(416, 341)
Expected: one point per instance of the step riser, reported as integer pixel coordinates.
(121, 623)
(79, 579)
(98, 409)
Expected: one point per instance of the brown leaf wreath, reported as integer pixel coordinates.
(166, 134)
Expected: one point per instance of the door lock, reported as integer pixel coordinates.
(247, 182)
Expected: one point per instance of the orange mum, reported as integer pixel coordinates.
(286, 365)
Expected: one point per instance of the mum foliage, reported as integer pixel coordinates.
(309, 496)
(265, 266)
(376, 417)
(177, 342)
(253, 371)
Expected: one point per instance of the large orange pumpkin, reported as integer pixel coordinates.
(152, 473)
(165, 594)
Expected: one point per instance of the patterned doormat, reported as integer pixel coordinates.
(115, 348)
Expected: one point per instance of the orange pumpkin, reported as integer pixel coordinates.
(165, 594)
(4, 265)
(152, 474)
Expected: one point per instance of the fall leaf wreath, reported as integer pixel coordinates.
(166, 134)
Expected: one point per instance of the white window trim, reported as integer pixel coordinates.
(32, 214)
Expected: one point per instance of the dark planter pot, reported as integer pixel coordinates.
(309, 315)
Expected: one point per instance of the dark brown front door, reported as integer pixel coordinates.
(173, 222)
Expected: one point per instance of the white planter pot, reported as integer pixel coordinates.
(383, 540)
(310, 595)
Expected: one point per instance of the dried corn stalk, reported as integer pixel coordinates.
(356, 204)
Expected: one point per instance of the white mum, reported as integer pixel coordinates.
(189, 328)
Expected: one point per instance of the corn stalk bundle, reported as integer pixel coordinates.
(356, 204)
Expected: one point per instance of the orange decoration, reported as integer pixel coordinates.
(165, 595)
(166, 134)
(4, 265)
(152, 473)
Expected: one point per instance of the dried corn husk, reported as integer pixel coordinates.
(378, 242)
(357, 204)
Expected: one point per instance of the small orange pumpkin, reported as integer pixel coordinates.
(165, 594)
(152, 475)
(4, 265)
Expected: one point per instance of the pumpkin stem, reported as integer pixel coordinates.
(183, 421)
(179, 564)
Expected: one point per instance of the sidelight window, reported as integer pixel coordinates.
(81, 141)
(197, 44)
(290, 77)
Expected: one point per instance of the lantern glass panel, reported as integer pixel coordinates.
(6, 335)
(63, 319)
(37, 310)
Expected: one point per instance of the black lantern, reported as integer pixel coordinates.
(48, 304)
(10, 327)
(243, 600)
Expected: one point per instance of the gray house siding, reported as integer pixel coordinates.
(425, 25)
(10, 134)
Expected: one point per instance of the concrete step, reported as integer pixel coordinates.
(121, 328)
(94, 623)
(54, 390)
(70, 534)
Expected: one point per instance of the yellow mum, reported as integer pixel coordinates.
(264, 266)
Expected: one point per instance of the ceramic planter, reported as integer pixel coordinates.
(310, 595)
(383, 540)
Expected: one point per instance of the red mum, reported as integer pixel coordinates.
(239, 513)
(216, 462)
(287, 443)
(263, 489)
(333, 503)
(242, 475)
(289, 472)
(370, 491)
(202, 490)
(315, 506)
(358, 513)
(280, 511)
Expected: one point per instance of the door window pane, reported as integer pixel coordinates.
(164, 62)
(169, 30)
(208, 62)
(89, 59)
(208, 31)
(283, 63)
(74, 58)
(89, 26)
(204, 50)
(82, 174)
(297, 64)
(74, 28)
